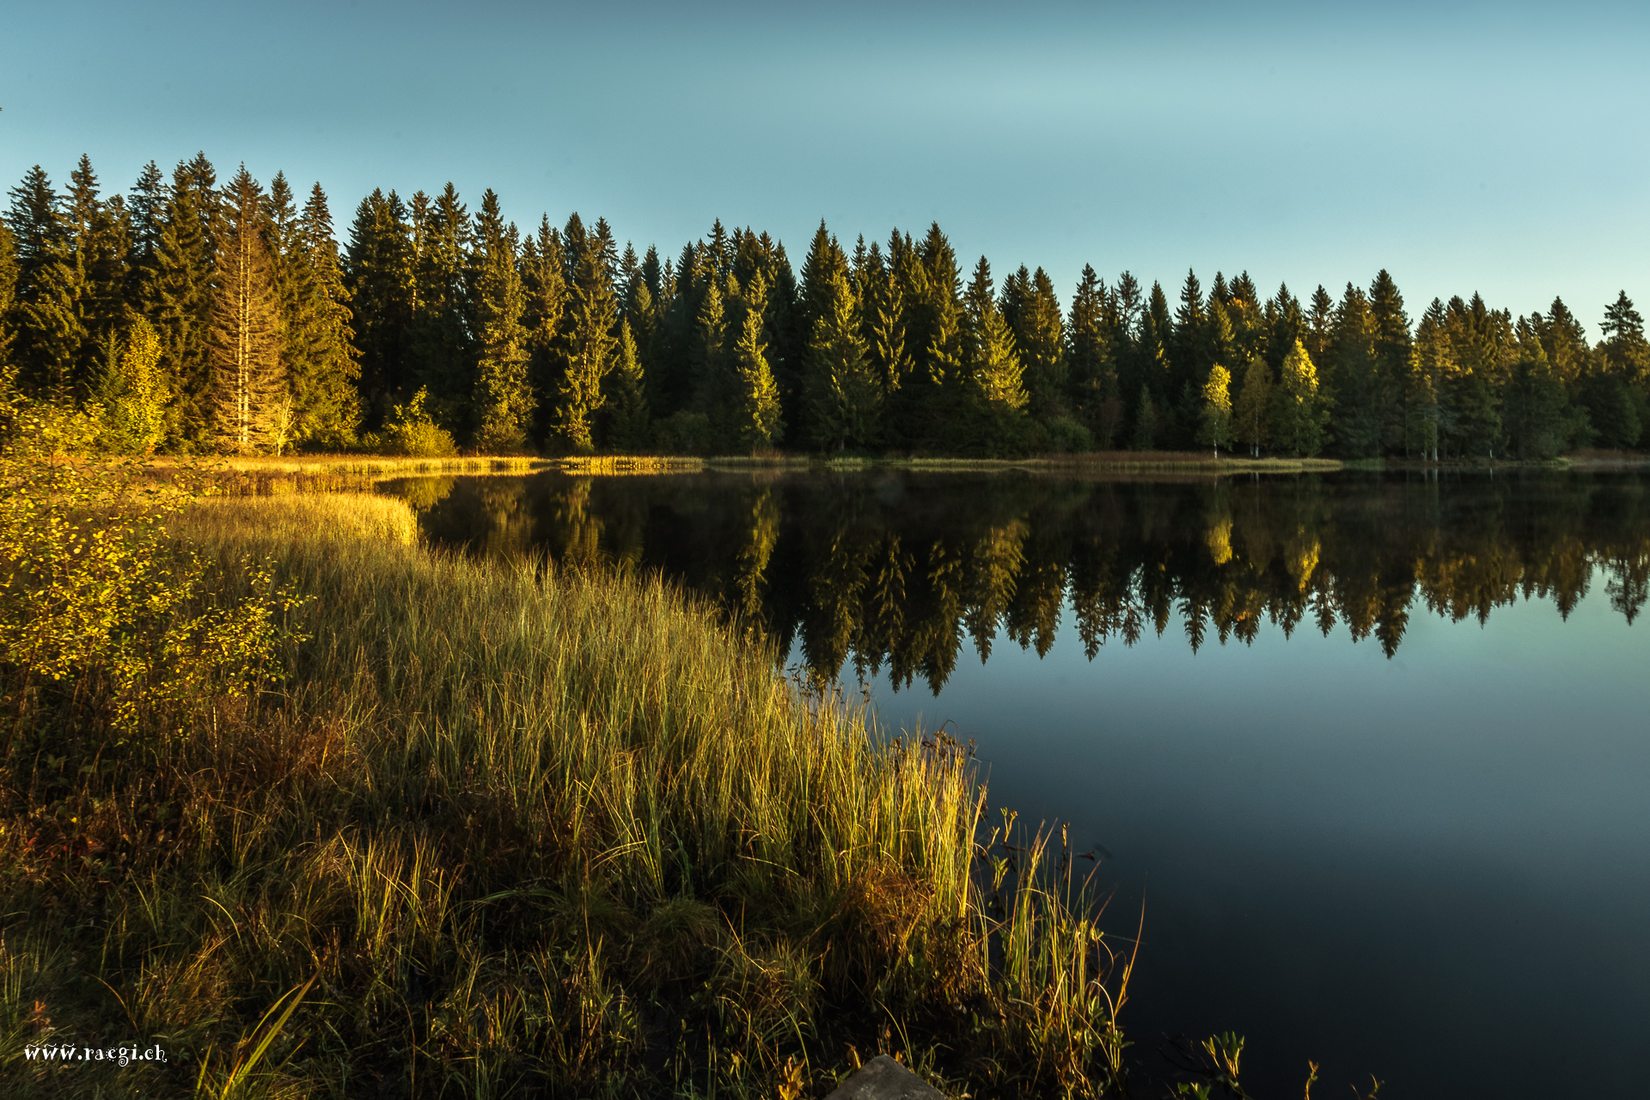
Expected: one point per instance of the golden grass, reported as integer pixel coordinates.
(510, 827)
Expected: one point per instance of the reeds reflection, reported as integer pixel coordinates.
(899, 573)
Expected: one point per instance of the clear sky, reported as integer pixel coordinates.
(1497, 147)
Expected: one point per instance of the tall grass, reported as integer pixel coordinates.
(507, 829)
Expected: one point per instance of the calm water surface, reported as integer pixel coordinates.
(1371, 752)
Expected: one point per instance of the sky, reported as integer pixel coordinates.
(1502, 148)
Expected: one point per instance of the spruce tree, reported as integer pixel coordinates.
(183, 299)
(379, 277)
(1536, 408)
(1432, 360)
(1039, 335)
(758, 419)
(503, 399)
(147, 212)
(591, 322)
(544, 282)
(1350, 380)
(991, 361)
(842, 390)
(323, 366)
(1391, 349)
(251, 406)
(628, 422)
(1090, 371)
(442, 342)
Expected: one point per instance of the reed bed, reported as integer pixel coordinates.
(504, 829)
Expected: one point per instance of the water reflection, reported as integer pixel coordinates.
(896, 573)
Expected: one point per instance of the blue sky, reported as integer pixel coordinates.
(1502, 148)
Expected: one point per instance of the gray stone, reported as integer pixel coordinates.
(882, 1078)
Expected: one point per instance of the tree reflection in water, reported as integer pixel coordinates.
(899, 572)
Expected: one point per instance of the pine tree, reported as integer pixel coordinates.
(252, 408)
(991, 361)
(1536, 409)
(885, 326)
(51, 291)
(322, 364)
(759, 423)
(183, 298)
(1299, 416)
(503, 399)
(101, 232)
(1432, 360)
(147, 207)
(1091, 373)
(378, 274)
(628, 423)
(591, 321)
(843, 393)
(1391, 349)
(544, 282)
(1351, 385)
(442, 343)
(1215, 428)
(1039, 335)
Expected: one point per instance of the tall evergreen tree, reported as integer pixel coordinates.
(252, 408)
(1390, 347)
(544, 282)
(503, 395)
(147, 206)
(183, 298)
(1432, 361)
(590, 337)
(758, 420)
(1537, 410)
(628, 422)
(322, 364)
(442, 341)
(1350, 382)
(1091, 372)
(1039, 334)
(843, 393)
(379, 276)
(994, 372)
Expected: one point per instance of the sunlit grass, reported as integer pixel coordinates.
(507, 827)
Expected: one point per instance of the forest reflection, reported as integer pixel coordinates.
(897, 572)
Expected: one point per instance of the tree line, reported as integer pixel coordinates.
(192, 315)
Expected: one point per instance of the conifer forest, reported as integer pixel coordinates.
(200, 314)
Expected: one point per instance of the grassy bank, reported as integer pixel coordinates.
(478, 829)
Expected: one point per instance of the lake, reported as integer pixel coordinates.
(1369, 752)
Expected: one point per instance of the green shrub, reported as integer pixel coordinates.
(99, 609)
(411, 431)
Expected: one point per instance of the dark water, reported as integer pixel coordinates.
(1371, 751)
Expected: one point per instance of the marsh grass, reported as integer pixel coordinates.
(508, 829)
